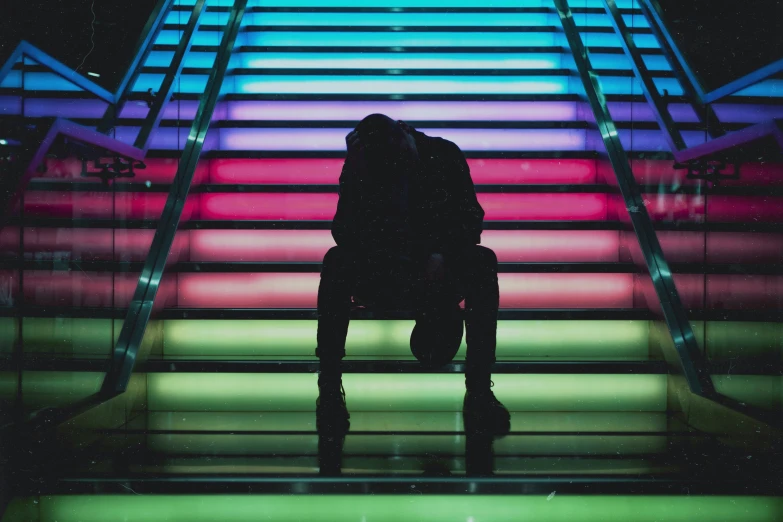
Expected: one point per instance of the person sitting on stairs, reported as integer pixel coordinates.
(407, 229)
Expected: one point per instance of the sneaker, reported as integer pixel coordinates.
(483, 411)
(331, 412)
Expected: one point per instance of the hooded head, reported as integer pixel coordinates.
(386, 142)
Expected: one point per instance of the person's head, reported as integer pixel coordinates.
(386, 139)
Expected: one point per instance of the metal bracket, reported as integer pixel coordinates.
(711, 171)
(118, 168)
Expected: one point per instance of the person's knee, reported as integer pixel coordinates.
(485, 257)
(336, 263)
(334, 256)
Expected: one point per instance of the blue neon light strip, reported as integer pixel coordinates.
(408, 19)
(326, 61)
(318, 84)
(623, 4)
(404, 39)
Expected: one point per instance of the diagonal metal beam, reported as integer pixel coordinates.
(140, 309)
(172, 73)
(704, 112)
(691, 363)
(662, 116)
(652, 11)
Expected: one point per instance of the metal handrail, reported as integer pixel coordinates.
(151, 29)
(140, 309)
(653, 12)
(720, 141)
(98, 138)
(691, 364)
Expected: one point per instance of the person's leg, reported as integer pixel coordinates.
(334, 307)
(437, 334)
(475, 270)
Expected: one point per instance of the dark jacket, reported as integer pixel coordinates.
(444, 214)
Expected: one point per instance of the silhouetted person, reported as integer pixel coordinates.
(407, 229)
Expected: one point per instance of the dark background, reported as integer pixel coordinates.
(721, 40)
(62, 28)
(724, 40)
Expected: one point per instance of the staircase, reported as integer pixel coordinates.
(221, 403)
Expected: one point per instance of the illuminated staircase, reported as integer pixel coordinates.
(223, 394)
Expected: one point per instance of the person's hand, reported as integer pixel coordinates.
(435, 267)
(352, 141)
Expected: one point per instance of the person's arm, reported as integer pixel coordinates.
(344, 223)
(459, 222)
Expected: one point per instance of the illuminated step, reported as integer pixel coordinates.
(291, 338)
(236, 339)
(401, 19)
(623, 4)
(764, 392)
(49, 389)
(545, 37)
(554, 59)
(431, 84)
(405, 444)
(410, 392)
(508, 207)
(297, 206)
(314, 140)
(529, 246)
(298, 290)
(300, 245)
(387, 508)
(233, 290)
(649, 423)
(367, 466)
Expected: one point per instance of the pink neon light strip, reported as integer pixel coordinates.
(299, 290)
(725, 292)
(292, 206)
(501, 207)
(327, 171)
(307, 171)
(311, 245)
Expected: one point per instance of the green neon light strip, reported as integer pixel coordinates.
(393, 508)
(582, 422)
(570, 445)
(744, 340)
(51, 389)
(403, 392)
(539, 339)
(623, 465)
(761, 391)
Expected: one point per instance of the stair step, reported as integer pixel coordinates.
(226, 365)
(387, 392)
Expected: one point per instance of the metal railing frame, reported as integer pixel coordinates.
(653, 12)
(99, 139)
(690, 363)
(126, 350)
(720, 142)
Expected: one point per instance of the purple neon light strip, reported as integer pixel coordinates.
(322, 140)
(404, 110)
